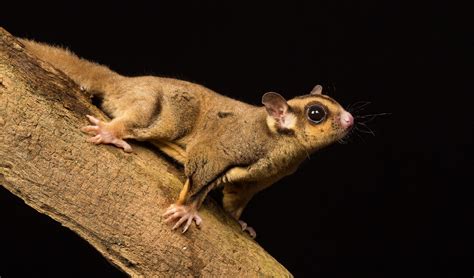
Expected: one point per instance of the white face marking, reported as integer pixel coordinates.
(287, 122)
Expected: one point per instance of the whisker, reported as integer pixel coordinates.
(368, 118)
(360, 102)
(371, 115)
(360, 121)
(357, 106)
(356, 133)
(346, 139)
(306, 151)
(342, 141)
(352, 105)
(365, 129)
(307, 154)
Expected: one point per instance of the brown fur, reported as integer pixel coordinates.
(220, 141)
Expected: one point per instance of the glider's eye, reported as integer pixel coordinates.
(316, 113)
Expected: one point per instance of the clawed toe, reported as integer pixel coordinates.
(92, 129)
(246, 228)
(94, 120)
(122, 144)
(96, 139)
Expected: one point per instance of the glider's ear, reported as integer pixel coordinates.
(317, 90)
(279, 110)
(276, 105)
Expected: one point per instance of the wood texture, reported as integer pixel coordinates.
(112, 199)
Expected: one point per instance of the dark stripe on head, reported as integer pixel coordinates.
(317, 96)
(286, 131)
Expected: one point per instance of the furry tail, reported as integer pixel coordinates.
(91, 76)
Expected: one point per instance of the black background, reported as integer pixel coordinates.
(395, 204)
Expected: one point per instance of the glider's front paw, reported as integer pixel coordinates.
(184, 215)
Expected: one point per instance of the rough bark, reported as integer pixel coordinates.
(112, 199)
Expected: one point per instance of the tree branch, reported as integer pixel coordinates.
(112, 199)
